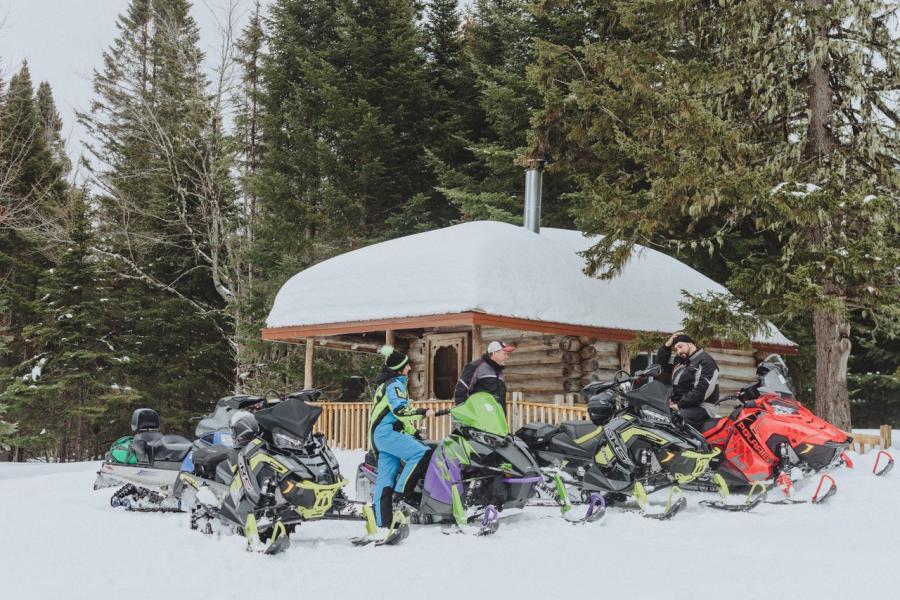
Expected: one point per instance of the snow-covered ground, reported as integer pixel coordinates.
(61, 540)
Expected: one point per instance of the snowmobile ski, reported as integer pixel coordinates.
(817, 498)
(753, 499)
(490, 523)
(669, 510)
(831, 491)
(278, 539)
(397, 532)
(889, 464)
(595, 510)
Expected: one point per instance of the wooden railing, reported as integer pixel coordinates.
(346, 424)
(882, 440)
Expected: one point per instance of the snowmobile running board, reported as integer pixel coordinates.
(888, 465)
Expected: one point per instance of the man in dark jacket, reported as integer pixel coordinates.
(485, 374)
(695, 377)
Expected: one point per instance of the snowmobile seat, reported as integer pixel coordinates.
(537, 435)
(142, 445)
(207, 459)
(169, 448)
(577, 429)
(144, 419)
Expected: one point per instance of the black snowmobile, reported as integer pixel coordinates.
(278, 475)
(478, 471)
(631, 447)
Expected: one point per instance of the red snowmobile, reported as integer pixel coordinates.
(770, 435)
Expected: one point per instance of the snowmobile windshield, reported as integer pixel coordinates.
(773, 381)
(482, 412)
(220, 418)
(655, 394)
(293, 416)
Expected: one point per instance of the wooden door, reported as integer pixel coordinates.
(446, 355)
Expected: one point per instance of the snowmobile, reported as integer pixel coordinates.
(478, 471)
(145, 465)
(770, 436)
(278, 475)
(214, 429)
(632, 446)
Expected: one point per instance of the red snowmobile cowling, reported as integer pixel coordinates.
(771, 433)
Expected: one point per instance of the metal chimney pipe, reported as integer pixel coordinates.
(534, 176)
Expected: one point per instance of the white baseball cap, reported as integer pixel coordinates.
(496, 346)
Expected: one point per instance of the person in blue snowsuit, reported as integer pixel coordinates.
(390, 434)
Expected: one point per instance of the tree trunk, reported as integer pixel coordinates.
(832, 352)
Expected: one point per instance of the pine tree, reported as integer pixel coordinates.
(62, 395)
(167, 209)
(753, 132)
(33, 189)
(500, 44)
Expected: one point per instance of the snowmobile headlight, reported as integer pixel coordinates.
(289, 442)
(655, 415)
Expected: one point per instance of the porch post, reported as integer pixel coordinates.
(308, 370)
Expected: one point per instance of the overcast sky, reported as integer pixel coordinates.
(63, 41)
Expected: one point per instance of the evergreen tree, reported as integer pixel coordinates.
(62, 395)
(753, 132)
(51, 124)
(33, 188)
(343, 114)
(499, 39)
(167, 208)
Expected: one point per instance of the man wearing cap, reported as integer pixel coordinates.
(695, 377)
(485, 374)
(391, 432)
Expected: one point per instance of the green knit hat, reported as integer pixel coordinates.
(393, 360)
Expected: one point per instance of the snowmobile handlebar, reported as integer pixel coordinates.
(442, 412)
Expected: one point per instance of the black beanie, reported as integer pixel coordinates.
(393, 360)
(683, 338)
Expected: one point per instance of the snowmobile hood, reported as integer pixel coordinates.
(482, 412)
(293, 415)
(655, 394)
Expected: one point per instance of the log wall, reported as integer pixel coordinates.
(545, 365)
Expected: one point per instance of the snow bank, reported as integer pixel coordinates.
(64, 541)
(495, 268)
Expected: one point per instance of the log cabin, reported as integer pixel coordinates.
(443, 295)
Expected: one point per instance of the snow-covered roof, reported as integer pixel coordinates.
(494, 268)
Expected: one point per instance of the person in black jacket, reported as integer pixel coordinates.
(695, 377)
(485, 374)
